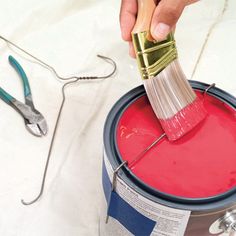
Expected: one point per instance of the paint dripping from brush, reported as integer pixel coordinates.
(184, 121)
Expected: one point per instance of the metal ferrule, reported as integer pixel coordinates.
(152, 56)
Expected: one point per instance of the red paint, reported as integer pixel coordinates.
(201, 164)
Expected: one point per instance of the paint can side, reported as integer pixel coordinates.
(133, 214)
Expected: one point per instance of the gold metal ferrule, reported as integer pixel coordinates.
(152, 56)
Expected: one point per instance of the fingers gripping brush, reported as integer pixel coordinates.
(172, 98)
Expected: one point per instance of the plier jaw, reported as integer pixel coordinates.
(37, 129)
(34, 120)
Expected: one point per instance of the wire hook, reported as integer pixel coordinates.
(72, 79)
(57, 122)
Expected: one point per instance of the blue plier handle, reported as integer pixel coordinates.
(34, 120)
(21, 72)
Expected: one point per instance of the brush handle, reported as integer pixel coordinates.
(146, 9)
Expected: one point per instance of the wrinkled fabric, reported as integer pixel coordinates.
(68, 34)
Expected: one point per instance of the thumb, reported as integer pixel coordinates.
(165, 17)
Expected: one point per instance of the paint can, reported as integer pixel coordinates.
(155, 187)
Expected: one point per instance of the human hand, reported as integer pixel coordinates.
(164, 18)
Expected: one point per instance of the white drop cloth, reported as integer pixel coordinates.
(68, 34)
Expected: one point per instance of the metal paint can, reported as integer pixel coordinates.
(184, 188)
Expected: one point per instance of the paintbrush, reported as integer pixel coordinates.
(172, 98)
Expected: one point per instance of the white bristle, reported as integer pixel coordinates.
(169, 92)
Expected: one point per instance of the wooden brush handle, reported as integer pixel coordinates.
(145, 11)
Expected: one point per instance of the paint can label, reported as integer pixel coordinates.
(130, 213)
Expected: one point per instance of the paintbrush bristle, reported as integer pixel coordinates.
(174, 102)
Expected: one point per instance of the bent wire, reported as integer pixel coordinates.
(57, 123)
(34, 120)
(72, 79)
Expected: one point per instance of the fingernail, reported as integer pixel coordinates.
(161, 31)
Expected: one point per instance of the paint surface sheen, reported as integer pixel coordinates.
(201, 164)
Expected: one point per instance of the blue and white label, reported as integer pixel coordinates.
(137, 215)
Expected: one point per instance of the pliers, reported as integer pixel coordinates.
(34, 120)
